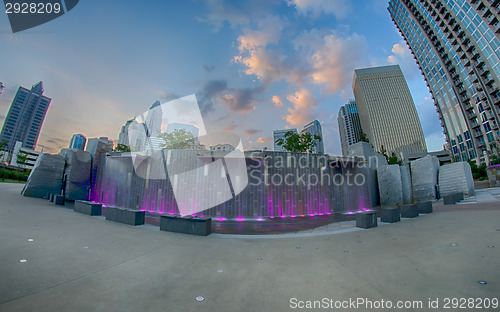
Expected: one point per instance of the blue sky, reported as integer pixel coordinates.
(255, 66)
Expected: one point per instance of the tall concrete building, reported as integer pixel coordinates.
(314, 128)
(280, 134)
(456, 45)
(386, 110)
(78, 141)
(153, 119)
(25, 117)
(349, 125)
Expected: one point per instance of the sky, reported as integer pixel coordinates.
(254, 66)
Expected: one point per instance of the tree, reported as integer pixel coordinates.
(298, 143)
(177, 139)
(393, 160)
(383, 152)
(363, 137)
(122, 148)
(22, 160)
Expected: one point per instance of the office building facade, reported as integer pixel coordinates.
(314, 128)
(25, 117)
(456, 45)
(78, 141)
(386, 110)
(349, 125)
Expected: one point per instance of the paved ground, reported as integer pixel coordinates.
(81, 263)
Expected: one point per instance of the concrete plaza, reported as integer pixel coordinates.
(75, 262)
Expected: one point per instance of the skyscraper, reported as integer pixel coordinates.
(280, 134)
(314, 128)
(349, 125)
(25, 117)
(78, 141)
(456, 45)
(153, 119)
(386, 110)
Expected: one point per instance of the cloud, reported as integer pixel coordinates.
(250, 132)
(237, 100)
(241, 100)
(277, 101)
(401, 55)
(322, 57)
(208, 68)
(268, 31)
(303, 105)
(339, 8)
(334, 57)
(236, 13)
(209, 93)
(167, 96)
(265, 140)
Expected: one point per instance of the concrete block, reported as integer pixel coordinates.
(456, 177)
(406, 184)
(58, 200)
(201, 226)
(186, 225)
(409, 211)
(89, 208)
(453, 198)
(45, 177)
(424, 178)
(126, 216)
(390, 186)
(51, 197)
(424, 207)
(367, 219)
(373, 161)
(76, 173)
(390, 214)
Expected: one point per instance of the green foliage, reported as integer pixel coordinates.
(122, 148)
(393, 160)
(12, 175)
(495, 160)
(363, 137)
(177, 139)
(298, 143)
(479, 173)
(384, 152)
(22, 159)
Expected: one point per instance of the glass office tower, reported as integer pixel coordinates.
(25, 117)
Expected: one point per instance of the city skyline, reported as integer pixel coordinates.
(254, 67)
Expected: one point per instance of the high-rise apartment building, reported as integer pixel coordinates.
(386, 110)
(349, 125)
(78, 141)
(314, 128)
(456, 45)
(25, 117)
